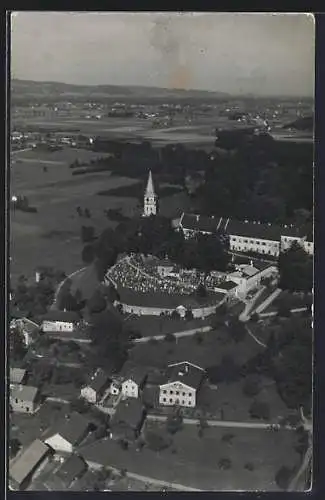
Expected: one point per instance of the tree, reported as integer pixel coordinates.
(88, 254)
(189, 315)
(87, 234)
(237, 330)
(14, 447)
(79, 405)
(283, 476)
(68, 302)
(252, 385)
(174, 315)
(201, 291)
(198, 337)
(174, 422)
(170, 337)
(96, 303)
(259, 410)
(16, 344)
(296, 269)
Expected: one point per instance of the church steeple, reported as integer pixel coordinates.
(150, 191)
(150, 198)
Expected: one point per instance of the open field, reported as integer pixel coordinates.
(194, 461)
(153, 325)
(210, 352)
(51, 237)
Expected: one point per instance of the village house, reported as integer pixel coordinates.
(25, 326)
(17, 376)
(71, 432)
(25, 464)
(70, 471)
(24, 398)
(247, 236)
(60, 321)
(134, 379)
(96, 387)
(183, 381)
(116, 385)
(128, 419)
(250, 277)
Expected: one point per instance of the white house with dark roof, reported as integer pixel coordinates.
(70, 433)
(24, 398)
(96, 387)
(134, 380)
(183, 381)
(60, 321)
(247, 236)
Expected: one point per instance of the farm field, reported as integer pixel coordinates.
(51, 237)
(194, 461)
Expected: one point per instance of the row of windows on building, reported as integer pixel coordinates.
(254, 242)
(243, 248)
(177, 393)
(183, 402)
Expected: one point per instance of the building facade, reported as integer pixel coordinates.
(24, 398)
(183, 382)
(60, 321)
(150, 206)
(247, 236)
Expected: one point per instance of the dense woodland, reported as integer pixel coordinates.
(246, 176)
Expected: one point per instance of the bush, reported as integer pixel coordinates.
(224, 464)
(251, 386)
(283, 476)
(170, 337)
(260, 410)
(198, 337)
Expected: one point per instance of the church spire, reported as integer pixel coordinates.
(150, 191)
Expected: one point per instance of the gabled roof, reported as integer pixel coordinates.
(99, 380)
(28, 460)
(249, 229)
(185, 373)
(68, 316)
(134, 372)
(74, 428)
(72, 468)
(227, 285)
(26, 393)
(129, 412)
(17, 375)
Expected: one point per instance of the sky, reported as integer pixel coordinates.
(261, 54)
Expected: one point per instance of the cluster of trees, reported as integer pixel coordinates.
(155, 236)
(34, 299)
(17, 348)
(296, 270)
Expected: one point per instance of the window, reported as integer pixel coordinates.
(170, 400)
(189, 394)
(164, 400)
(164, 391)
(257, 242)
(177, 393)
(183, 393)
(183, 402)
(171, 392)
(16, 400)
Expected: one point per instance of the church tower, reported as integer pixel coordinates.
(150, 199)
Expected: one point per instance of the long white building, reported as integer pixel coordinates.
(247, 236)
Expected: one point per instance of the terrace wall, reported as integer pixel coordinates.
(202, 312)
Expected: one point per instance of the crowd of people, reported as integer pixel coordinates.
(141, 274)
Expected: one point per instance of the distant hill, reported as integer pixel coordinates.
(28, 89)
(306, 124)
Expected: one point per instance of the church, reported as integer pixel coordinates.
(150, 206)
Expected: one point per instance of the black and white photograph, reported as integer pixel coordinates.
(161, 251)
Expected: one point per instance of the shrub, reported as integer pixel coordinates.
(170, 337)
(251, 386)
(283, 476)
(260, 410)
(224, 464)
(249, 466)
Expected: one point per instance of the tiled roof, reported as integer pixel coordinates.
(68, 316)
(73, 429)
(249, 229)
(27, 461)
(99, 380)
(185, 373)
(17, 375)
(130, 412)
(24, 393)
(72, 468)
